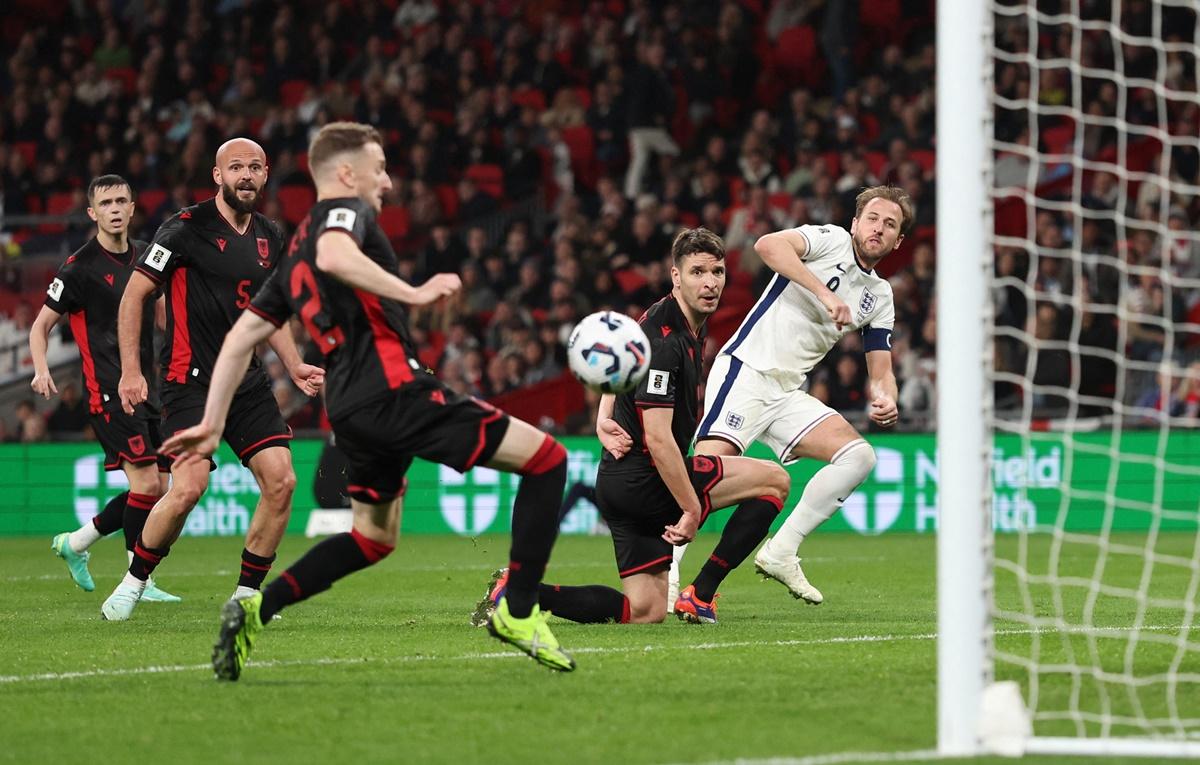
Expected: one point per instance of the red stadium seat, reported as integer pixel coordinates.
(582, 146)
(780, 200)
(448, 196)
(28, 150)
(291, 93)
(489, 178)
(125, 76)
(393, 219)
(58, 203)
(925, 158)
(203, 193)
(530, 97)
(876, 161)
(295, 202)
(796, 49)
(150, 200)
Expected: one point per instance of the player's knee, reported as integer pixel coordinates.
(858, 456)
(186, 491)
(777, 483)
(277, 488)
(648, 611)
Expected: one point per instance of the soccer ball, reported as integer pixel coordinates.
(608, 352)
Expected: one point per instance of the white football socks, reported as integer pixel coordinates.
(83, 537)
(823, 495)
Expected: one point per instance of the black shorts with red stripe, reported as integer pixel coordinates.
(253, 424)
(129, 438)
(637, 506)
(381, 438)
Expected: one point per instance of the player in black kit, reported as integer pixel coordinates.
(339, 277)
(87, 288)
(651, 494)
(210, 259)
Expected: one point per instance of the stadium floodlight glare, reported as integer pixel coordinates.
(1059, 198)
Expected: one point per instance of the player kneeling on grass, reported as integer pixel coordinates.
(651, 494)
(339, 276)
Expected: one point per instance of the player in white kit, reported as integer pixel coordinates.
(825, 286)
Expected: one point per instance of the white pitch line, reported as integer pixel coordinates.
(486, 656)
(838, 759)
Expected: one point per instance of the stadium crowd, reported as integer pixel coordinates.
(546, 151)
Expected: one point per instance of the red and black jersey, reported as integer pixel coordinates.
(88, 288)
(364, 337)
(673, 380)
(209, 273)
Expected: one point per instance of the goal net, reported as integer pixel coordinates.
(1091, 366)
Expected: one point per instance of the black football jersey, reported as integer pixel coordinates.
(365, 338)
(88, 289)
(673, 380)
(209, 273)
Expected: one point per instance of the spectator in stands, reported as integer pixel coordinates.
(31, 427)
(651, 103)
(474, 203)
(71, 414)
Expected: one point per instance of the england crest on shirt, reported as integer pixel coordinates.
(866, 304)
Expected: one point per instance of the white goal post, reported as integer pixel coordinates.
(1076, 635)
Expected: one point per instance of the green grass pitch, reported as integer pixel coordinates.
(385, 668)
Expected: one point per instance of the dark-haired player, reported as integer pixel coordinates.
(210, 259)
(88, 288)
(339, 277)
(651, 494)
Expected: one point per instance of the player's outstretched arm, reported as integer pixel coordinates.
(783, 252)
(132, 387)
(669, 462)
(339, 256)
(612, 436)
(306, 377)
(39, 339)
(881, 387)
(201, 441)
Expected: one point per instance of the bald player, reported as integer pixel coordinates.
(209, 260)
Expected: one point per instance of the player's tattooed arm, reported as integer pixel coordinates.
(612, 436)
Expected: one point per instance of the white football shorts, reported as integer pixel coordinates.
(743, 405)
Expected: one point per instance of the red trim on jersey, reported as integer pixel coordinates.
(229, 223)
(79, 330)
(152, 276)
(387, 342)
(181, 338)
(644, 566)
(654, 403)
(264, 315)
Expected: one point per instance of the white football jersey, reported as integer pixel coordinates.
(788, 332)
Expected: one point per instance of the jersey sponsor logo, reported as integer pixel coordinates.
(185, 216)
(158, 258)
(735, 420)
(867, 303)
(341, 217)
(137, 445)
(666, 330)
(55, 289)
(657, 382)
(109, 278)
(841, 268)
(264, 251)
(220, 244)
